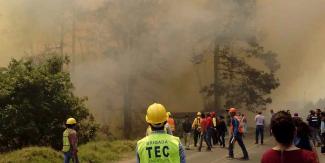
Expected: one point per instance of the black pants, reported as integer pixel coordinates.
(221, 137)
(215, 137)
(232, 141)
(259, 131)
(323, 143)
(196, 136)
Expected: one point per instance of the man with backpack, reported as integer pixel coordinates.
(236, 131)
(196, 126)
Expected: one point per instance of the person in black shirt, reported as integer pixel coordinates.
(314, 123)
(301, 139)
(222, 129)
(187, 128)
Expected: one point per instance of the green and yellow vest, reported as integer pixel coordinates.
(66, 143)
(159, 148)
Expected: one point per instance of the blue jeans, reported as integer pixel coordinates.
(209, 136)
(68, 156)
(259, 131)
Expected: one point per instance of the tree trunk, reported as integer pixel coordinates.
(217, 104)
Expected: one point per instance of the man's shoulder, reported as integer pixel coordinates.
(144, 139)
(72, 132)
(268, 156)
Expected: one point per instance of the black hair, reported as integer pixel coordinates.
(159, 126)
(70, 125)
(283, 128)
(303, 130)
(202, 115)
(322, 113)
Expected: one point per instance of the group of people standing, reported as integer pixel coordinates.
(209, 128)
(212, 130)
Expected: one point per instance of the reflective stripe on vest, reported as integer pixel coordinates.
(159, 148)
(197, 123)
(66, 143)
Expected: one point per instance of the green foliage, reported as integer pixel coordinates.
(101, 151)
(36, 97)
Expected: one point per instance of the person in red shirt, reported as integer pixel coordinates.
(283, 129)
(210, 128)
(204, 130)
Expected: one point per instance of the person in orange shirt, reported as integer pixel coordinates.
(171, 122)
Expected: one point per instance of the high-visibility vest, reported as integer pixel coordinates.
(171, 124)
(159, 148)
(196, 123)
(66, 142)
(214, 120)
(240, 125)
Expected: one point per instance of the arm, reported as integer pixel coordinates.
(182, 153)
(73, 142)
(193, 124)
(235, 126)
(168, 129)
(137, 155)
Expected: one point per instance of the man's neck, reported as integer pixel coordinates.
(280, 147)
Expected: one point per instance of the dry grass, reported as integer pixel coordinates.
(92, 152)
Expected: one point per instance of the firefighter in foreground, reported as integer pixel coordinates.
(236, 131)
(159, 146)
(70, 141)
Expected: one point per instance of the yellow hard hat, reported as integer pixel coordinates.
(71, 121)
(156, 114)
(198, 113)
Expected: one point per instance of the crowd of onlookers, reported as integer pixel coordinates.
(297, 139)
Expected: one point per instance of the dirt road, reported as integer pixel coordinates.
(218, 155)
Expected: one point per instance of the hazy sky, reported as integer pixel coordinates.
(295, 29)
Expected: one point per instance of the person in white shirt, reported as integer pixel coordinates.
(260, 122)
